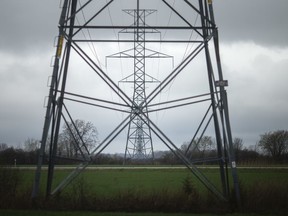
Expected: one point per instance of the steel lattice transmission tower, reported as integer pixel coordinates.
(139, 145)
(90, 22)
(139, 139)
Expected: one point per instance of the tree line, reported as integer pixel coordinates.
(81, 137)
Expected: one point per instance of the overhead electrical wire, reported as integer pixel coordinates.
(118, 43)
(168, 90)
(91, 46)
(169, 20)
(116, 36)
(186, 50)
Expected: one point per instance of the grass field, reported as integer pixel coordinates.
(154, 190)
(110, 181)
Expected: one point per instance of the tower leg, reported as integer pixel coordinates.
(54, 109)
(50, 104)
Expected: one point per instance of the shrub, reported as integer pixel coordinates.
(9, 182)
(265, 197)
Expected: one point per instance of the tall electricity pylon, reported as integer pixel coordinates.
(139, 139)
(195, 18)
(139, 145)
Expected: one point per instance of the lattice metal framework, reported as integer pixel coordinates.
(139, 141)
(217, 114)
(139, 145)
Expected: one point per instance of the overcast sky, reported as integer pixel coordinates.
(253, 45)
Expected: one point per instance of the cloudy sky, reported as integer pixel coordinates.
(253, 46)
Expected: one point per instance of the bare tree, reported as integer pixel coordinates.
(274, 143)
(238, 146)
(199, 147)
(31, 144)
(3, 146)
(77, 138)
(205, 144)
(184, 147)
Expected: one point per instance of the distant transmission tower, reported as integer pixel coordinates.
(87, 24)
(139, 145)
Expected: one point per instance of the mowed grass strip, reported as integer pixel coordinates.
(108, 182)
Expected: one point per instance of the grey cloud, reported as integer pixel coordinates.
(30, 23)
(258, 96)
(27, 24)
(261, 21)
(23, 88)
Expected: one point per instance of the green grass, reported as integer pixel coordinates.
(110, 182)
(107, 182)
(252, 176)
(161, 190)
